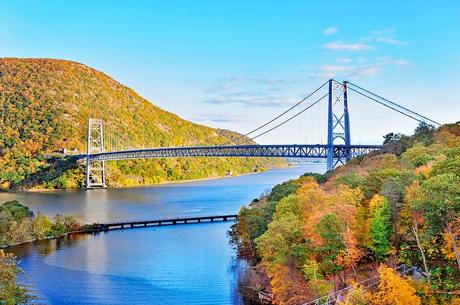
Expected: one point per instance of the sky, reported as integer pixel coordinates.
(236, 64)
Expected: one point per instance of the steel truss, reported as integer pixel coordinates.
(95, 171)
(280, 151)
(338, 123)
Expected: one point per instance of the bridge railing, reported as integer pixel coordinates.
(337, 296)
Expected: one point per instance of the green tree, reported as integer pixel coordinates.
(450, 165)
(417, 155)
(16, 210)
(330, 228)
(380, 227)
(351, 179)
(424, 134)
(283, 242)
(58, 227)
(393, 191)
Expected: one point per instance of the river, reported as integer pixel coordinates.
(184, 264)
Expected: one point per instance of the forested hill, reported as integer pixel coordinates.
(45, 105)
(358, 225)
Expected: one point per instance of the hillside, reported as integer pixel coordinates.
(353, 227)
(45, 105)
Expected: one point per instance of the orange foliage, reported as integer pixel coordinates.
(424, 170)
(288, 286)
(447, 249)
(351, 255)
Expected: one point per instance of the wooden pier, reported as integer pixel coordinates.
(158, 222)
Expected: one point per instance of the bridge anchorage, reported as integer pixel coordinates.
(338, 149)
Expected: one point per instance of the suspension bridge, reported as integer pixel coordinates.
(337, 150)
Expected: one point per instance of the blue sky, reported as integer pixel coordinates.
(235, 64)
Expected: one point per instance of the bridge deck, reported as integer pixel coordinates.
(158, 222)
(281, 151)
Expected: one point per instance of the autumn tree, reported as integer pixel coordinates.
(416, 220)
(417, 155)
(10, 292)
(41, 226)
(283, 242)
(357, 295)
(318, 284)
(288, 286)
(394, 289)
(440, 201)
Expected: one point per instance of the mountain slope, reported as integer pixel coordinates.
(45, 105)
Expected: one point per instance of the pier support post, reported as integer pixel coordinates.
(338, 124)
(330, 130)
(95, 170)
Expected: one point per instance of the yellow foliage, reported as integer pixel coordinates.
(356, 296)
(455, 301)
(376, 202)
(45, 107)
(394, 289)
(306, 184)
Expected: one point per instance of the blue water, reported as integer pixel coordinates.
(186, 264)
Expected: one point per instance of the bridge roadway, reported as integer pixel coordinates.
(156, 223)
(281, 151)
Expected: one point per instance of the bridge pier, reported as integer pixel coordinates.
(95, 169)
(338, 124)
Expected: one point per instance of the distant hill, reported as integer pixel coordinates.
(44, 108)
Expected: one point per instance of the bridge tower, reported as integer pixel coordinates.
(338, 123)
(95, 171)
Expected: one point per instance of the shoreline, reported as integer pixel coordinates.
(154, 184)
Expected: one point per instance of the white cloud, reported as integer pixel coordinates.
(257, 99)
(391, 41)
(391, 61)
(329, 71)
(343, 60)
(251, 91)
(374, 68)
(219, 118)
(386, 36)
(354, 47)
(330, 31)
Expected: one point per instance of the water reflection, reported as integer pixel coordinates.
(188, 264)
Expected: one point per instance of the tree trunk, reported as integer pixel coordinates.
(454, 244)
(316, 282)
(415, 230)
(335, 285)
(354, 272)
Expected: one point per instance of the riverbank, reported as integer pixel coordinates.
(262, 170)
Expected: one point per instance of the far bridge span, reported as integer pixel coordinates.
(337, 150)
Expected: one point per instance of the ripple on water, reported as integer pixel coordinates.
(188, 264)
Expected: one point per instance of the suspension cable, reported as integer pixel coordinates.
(388, 106)
(395, 104)
(292, 117)
(277, 117)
